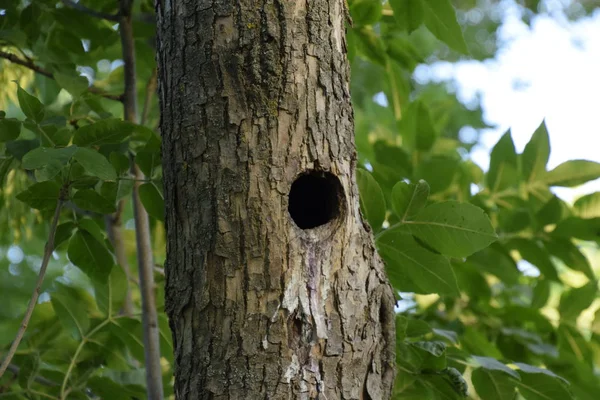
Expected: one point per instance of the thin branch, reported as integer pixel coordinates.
(39, 379)
(142, 223)
(31, 65)
(36, 291)
(89, 11)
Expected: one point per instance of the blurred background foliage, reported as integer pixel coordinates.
(487, 340)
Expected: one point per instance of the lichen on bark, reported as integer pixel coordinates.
(254, 94)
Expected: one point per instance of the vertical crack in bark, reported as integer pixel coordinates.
(253, 93)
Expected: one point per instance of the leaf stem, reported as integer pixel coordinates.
(84, 340)
(36, 291)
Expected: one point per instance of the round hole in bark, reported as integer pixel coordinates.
(315, 199)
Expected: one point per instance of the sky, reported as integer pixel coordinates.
(549, 71)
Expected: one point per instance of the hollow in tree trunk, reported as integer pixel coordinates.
(274, 288)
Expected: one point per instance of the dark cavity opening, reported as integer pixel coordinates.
(314, 199)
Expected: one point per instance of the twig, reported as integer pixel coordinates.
(89, 11)
(36, 291)
(142, 223)
(159, 269)
(31, 65)
(39, 379)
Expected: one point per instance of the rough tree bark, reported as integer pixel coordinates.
(274, 288)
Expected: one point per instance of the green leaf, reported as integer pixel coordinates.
(124, 188)
(42, 195)
(5, 167)
(450, 336)
(120, 162)
(442, 388)
(72, 314)
(394, 157)
(30, 105)
(574, 301)
(28, 368)
(370, 46)
(95, 164)
(166, 338)
(43, 156)
(454, 229)
(365, 12)
(551, 212)
(372, 202)
(91, 227)
(108, 190)
(588, 206)
(64, 232)
(569, 254)
(440, 19)
(91, 256)
(106, 131)
(430, 272)
(530, 369)
(409, 199)
(108, 389)
(541, 293)
(129, 331)
(503, 171)
(417, 127)
(493, 385)
(416, 327)
(18, 148)
(400, 49)
(147, 161)
(435, 348)
(457, 381)
(408, 13)
(540, 386)
(513, 220)
(152, 200)
(89, 199)
(419, 356)
(476, 342)
(572, 173)
(536, 255)
(536, 154)
(492, 364)
(427, 134)
(438, 172)
(75, 85)
(10, 129)
(110, 295)
(581, 228)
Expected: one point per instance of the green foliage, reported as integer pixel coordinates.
(441, 236)
(444, 228)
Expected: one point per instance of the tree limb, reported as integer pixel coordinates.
(31, 65)
(142, 223)
(89, 11)
(36, 291)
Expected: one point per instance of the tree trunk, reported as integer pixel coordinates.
(274, 288)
